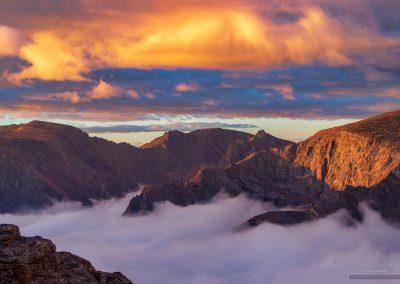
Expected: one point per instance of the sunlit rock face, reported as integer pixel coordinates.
(358, 154)
(336, 168)
(35, 260)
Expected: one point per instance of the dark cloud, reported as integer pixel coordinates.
(311, 91)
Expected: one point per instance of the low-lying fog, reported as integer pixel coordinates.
(200, 244)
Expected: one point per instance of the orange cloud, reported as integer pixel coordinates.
(188, 87)
(104, 91)
(133, 94)
(51, 58)
(194, 35)
(72, 97)
(285, 90)
(10, 41)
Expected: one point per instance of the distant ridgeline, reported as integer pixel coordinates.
(42, 162)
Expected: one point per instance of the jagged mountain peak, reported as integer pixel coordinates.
(260, 132)
(162, 140)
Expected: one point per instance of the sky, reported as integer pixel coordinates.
(202, 243)
(139, 68)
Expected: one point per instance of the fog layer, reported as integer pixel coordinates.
(201, 243)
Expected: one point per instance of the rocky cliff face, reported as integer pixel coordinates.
(358, 154)
(35, 260)
(42, 162)
(335, 168)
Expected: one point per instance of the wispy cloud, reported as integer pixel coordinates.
(133, 94)
(188, 87)
(127, 128)
(285, 90)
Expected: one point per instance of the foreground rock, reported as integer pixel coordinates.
(334, 169)
(35, 260)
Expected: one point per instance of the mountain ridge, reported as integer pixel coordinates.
(318, 172)
(44, 161)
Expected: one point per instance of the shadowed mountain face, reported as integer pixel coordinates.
(176, 156)
(35, 260)
(336, 168)
(42, 162)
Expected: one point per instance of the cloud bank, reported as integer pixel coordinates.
(95, 60)
(201, 243)
(232, 35)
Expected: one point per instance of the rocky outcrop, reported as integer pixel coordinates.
(35, 260)
(281, 218)
(336, 168)
(328, 202)
(42, 162)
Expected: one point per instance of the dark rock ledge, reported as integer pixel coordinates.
(35, 260)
